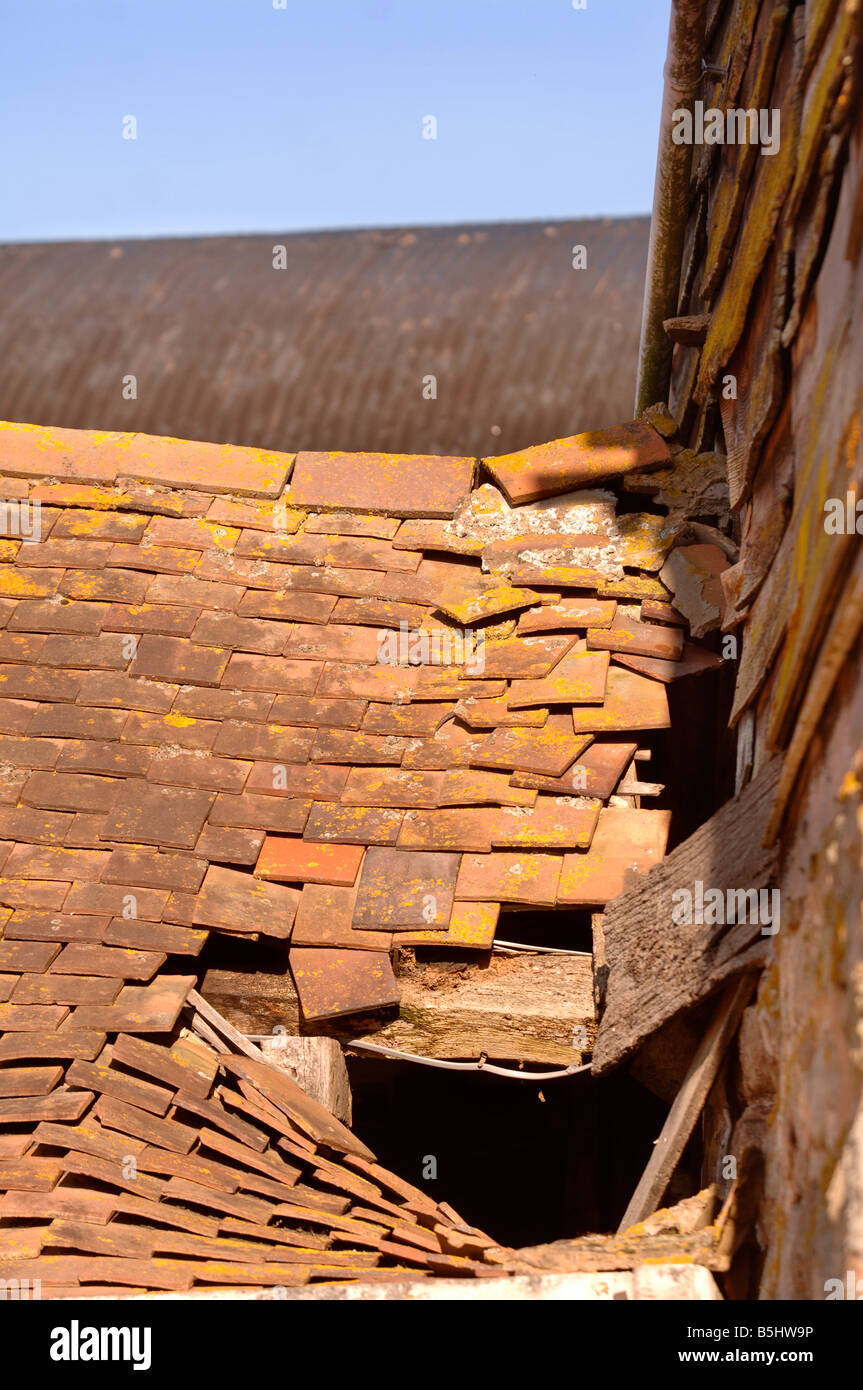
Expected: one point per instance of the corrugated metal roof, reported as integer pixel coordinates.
(331, 352)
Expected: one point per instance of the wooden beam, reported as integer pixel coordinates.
(657, 965)
(530, 1007)
(688, 1105)
(317, 1065)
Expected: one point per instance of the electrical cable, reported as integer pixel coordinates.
(480, 1065)
(546, 950)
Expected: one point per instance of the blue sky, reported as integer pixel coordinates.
(256, 118)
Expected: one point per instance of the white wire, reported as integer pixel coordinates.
(466, 1066)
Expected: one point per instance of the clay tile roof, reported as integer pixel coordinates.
(339, 701)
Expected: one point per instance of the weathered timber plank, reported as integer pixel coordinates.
(527, 1008)
(656, 966)
(842, 636)
(318, 1067)
(688, 1104)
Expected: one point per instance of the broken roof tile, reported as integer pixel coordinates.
(325, 918)
(232, 899)
(626, 843)
(494, 714)
(595, 772)
(637, 639)
(546, 469)
(525, 658)
(471, 924)
(694, 661)
(566, 614)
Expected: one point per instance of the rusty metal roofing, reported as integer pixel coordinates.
(333, 350)
(255, 694)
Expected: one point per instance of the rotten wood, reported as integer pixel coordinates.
(658, 966)
(316, 1064)
(531, 1008)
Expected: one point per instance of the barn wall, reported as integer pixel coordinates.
(773, 256)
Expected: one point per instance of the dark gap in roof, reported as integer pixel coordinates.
(566, 929)
(531, 1162)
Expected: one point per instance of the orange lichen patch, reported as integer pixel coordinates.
(564, 464)
(207, 467)
(304, 861)
(471, 925)
(626, 843)
(642, 540)
(631, 702)
(34, 583)
(406, 485)
(332, 982)
(38, 451)
(91, 457)
(555, 576)
(634, 586)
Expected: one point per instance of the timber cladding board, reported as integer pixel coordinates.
(776, 270)
(210, 727)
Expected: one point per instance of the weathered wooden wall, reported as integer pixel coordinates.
(774, 259)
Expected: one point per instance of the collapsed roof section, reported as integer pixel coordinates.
(224, 709)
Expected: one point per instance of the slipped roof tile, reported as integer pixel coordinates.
(332, 982)
(403, 888)
(583, 459)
